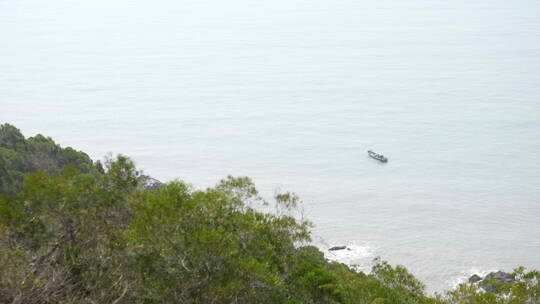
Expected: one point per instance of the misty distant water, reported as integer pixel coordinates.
(292, 94)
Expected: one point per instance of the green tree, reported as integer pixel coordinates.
(19, 156)
(190, 246)
(60, 236)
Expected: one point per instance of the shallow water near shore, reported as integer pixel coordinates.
(292, 94)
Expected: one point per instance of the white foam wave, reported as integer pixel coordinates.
(358, 256)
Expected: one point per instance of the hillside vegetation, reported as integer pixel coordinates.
(73, 231)
(19, 156)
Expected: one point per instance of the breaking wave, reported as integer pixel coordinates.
(357, 255)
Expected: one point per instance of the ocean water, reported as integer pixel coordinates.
(292, 94)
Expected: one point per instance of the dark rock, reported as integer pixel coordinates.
(501, 277)
(148, 183)
(337, 248)
(475, 278)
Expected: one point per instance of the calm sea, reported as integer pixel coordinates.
(292, 93)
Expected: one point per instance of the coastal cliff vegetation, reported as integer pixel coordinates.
(77, 231)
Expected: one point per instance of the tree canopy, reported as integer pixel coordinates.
(75, 232)
(19, 156)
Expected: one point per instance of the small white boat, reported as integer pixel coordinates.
(377, 156)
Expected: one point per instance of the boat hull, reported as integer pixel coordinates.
(378, 157)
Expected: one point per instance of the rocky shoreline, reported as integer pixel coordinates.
(489, 282)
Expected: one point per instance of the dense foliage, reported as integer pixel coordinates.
(70, 235)
(19, 156)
